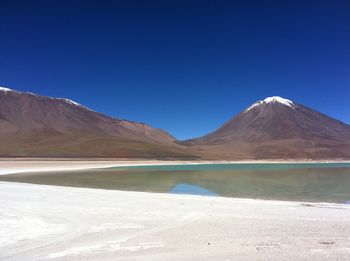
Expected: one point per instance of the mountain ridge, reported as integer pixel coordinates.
(68, 101)
(33, 125)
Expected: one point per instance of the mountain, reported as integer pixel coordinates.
(37, 126)
(277, 128)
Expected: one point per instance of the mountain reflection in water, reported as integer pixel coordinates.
(184, 188)
(320, 182)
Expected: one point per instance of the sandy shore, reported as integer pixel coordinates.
(59, 223)
(39, 222)
(8, 166)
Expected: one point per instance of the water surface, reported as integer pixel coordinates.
(326, 182)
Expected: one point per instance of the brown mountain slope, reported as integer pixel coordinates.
(39, 126)
(277, 128)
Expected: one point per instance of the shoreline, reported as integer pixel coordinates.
(12, 166)
(196, 196)
(65, 223)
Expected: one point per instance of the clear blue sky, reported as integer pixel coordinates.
(184, 66)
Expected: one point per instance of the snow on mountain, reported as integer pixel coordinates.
(278, 99)
(68, 101)
(272, 100)
(4, 89)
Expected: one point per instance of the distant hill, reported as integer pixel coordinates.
(277, 128)
(37, 126)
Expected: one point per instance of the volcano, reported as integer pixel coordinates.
(277, 128)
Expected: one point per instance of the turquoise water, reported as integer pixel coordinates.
(326, 182)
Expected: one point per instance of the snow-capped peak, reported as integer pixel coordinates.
(4, 89)
(273, 99)
(278, 99)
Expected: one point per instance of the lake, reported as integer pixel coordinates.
(317, 182)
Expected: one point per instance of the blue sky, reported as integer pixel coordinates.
(184, 66)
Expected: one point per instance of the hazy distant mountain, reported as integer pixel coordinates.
(39, 126)
(277, 128)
